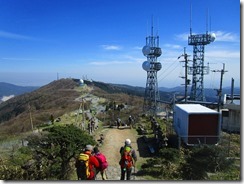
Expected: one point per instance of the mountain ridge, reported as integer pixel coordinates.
(7, 89)
(59, 97)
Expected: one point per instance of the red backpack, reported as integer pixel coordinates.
(126, 160)
(103, 164)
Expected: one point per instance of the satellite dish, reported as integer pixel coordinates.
(157, 52)
(213, 37)
(157, 66)
(146, 50)
(146, 66)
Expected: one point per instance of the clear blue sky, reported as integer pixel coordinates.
(102, 39)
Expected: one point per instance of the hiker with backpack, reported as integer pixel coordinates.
(128, 160)
(103, 164)
(86, 164)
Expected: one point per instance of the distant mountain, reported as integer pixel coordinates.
(210, 94)
(7, 89)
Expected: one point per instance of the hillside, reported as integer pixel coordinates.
(57, 98)
(52, 99)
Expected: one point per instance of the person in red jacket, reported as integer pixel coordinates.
(93, 162)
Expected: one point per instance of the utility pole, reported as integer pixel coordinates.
(29, 107)
(78, 113)
(83, 115)
(219, 91)
(187, 81)
(232, 90)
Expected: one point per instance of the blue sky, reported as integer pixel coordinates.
(102, 39)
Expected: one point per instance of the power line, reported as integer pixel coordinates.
(167, 74)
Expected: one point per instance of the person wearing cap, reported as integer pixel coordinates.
(127, 170)
(93, 162)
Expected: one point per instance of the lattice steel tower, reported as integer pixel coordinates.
(198, 70)
(152, 51)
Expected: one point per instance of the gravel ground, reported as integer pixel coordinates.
(114, 139)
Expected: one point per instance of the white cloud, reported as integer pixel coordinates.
(226, 37)
(5, 34)
(182, 37)
(173, 46)
(220, 36)
(111, 47)
(137, 48)
(134, 59)
(18, 59)
(102, 63)
(223, 54)
(5, 98)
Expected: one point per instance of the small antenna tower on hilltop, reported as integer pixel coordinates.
(198, 70)
(187, 81)
(152, 51)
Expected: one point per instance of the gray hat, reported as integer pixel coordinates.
(89, 147)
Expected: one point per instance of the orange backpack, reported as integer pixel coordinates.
(126, 160)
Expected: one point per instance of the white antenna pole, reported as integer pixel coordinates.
(207, 22)
(210, 25)
(157, 27)
(152, 27)
(190, 18)
(147, 29)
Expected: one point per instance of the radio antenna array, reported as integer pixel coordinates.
(151, 51)
(198, 69)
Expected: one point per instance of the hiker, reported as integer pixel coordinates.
(103, 164)
(131, 121)
(128, 160)
(118, 122)
(92, 125)
(86, 164)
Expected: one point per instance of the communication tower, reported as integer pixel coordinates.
(152, 51)
(198, 70)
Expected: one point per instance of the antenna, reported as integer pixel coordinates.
(157, 27)
(147, 28)
(190, 18)
(198, 70)
(219, 91)
(152, 51)
(210, 25)
(207, 21)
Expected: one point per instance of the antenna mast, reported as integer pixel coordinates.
(187, 81)
(190, 19)
(152, 51)
(219, 91)
(207, 22)
(198, 70)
